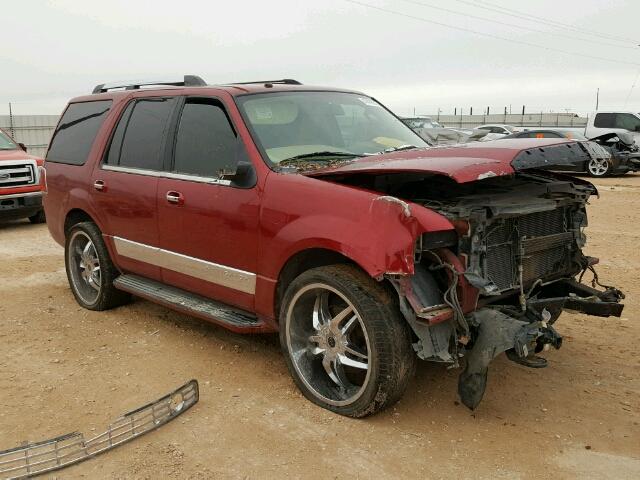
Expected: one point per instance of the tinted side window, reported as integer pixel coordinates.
(627, 121)
(144, 136)
(113, 155)
(76, 132)
(206, 142)
(604, 120)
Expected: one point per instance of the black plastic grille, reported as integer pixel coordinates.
(541, 241)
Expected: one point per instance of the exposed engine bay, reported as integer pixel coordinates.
(499, 281)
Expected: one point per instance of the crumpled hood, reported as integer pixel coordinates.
(472, 161)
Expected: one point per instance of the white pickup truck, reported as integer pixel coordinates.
(601, 123)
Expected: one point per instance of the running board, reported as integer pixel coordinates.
(189, 303)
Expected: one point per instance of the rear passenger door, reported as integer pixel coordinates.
(125, 186)
(208, 225)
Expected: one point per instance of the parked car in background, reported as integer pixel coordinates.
(498, 129)
(421, 122)
(623, 152)
(20, 182)
(315, 212)
(436, 134)
(547, 133)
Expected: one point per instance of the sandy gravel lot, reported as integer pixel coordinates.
(63, 368)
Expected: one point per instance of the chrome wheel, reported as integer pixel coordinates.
(84, 267)
(598, 167)
(328, 344)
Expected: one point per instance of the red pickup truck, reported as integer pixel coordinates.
(315, 212)
(20, 182)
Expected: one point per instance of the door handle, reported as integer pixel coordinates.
(175, 198)
(100, 186)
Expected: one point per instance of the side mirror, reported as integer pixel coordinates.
(637, 129)
(244, 176)
(22, 146)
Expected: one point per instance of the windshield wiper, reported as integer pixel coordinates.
(398, 149)
(324, 156)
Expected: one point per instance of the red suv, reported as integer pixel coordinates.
(20, 182)
(274, 206)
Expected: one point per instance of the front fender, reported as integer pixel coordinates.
(377, 232)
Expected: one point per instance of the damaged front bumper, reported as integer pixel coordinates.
(56, 453)
(521, 334)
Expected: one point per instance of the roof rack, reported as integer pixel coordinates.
(284, 81)
(187, 81)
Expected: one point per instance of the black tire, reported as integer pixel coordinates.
(106, 295)
(38, 217)
(390, 357)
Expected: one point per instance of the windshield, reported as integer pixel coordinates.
(289, 124)
(6, 143)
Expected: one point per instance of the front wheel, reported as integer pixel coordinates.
(344, 342)
(598, 167)
(38, 217)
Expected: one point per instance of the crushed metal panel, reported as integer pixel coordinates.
(56, 453)
(564, 154)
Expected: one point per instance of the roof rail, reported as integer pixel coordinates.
(187, 81)
(285, 81)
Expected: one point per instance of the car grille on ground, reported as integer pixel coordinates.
(17, 174)
(541, 241)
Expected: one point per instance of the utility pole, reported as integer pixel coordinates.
(597, 98)
(11, 122)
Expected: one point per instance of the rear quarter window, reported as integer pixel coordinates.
(77, 131)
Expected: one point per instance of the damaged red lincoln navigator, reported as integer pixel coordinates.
(273, 206)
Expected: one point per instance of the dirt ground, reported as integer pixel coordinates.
(63, 368)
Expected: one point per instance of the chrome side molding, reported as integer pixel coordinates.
(208, 271)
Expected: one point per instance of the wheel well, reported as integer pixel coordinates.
(301, 262)
(75, 216)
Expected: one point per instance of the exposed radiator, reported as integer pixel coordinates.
(541, 241)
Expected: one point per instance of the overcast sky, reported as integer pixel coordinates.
(392, 49)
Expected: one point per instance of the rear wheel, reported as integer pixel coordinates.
(38, 217)
(90, 270)
(598, 167)
(345, 344)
